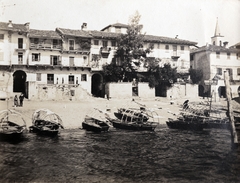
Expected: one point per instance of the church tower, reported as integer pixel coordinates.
(217, 39)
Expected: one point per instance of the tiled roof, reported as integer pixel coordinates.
(75, 33)
(102, 34)
(116, 25)
(44, 34)
(214, 48)
(160, 39)
(15, 27)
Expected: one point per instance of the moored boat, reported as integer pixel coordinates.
(12, 124)
(94, 124)
(131, 115)
(136, 126)
(45, 122)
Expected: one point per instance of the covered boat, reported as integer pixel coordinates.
(12, 124)
(45, 122)
(131, 114)
(94, 124)
(131, 121)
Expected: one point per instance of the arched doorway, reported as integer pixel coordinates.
(97, 85)
(19, 80)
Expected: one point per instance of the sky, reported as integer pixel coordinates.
(192, 20)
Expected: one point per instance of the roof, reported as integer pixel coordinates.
(236, 46)
(44, 34)
(13, 27)
(116, 25)
(214, 48)
(102, 34)
(75, 33)
(160, 39)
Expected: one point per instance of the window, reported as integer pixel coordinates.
(238, 71)
(1, 37)
(238, 56)
(50, 78)
(105, 43)
(219, 71)
(35, 57)
(96, 42)
(230, 73)
(20, 43)
(228, 55)
(55, 42)
(217, 54)
(113, 43)
(38, 77)
(84, 77)
(20, 58)
(70, 79)
(71, 44)
(54, 60)
(182, 47)
(36, 40)
(71, 61)
(118, 30)
(166, 47)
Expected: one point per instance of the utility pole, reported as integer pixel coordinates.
(230, 110)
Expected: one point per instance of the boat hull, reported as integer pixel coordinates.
(185, 125)
(94, 128)
(148, 126)
(43, 131)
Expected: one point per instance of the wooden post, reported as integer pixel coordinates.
(230, 110)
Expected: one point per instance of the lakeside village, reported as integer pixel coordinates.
(70, 65)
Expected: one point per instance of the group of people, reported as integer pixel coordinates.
(21, 98)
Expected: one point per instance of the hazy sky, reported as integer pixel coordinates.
(194, 20)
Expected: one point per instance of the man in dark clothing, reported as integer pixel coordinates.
(21, 98)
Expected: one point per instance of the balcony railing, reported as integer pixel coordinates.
(45, 46)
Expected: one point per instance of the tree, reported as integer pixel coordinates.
(130, 53)
(196, 75)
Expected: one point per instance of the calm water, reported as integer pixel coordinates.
(121, 156)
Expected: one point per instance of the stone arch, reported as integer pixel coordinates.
(19, 80)
(97, 88)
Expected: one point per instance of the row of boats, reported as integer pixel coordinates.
(47, 122)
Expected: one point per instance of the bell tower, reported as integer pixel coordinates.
(217, 39)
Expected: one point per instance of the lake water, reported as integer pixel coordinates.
(121, 156)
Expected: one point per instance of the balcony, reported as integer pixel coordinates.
(104, 51)
(44, 46)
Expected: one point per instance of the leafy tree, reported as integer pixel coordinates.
(196, 75)
(130, 52)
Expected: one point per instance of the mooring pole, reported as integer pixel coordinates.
(230, 110)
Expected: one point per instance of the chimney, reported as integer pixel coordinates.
(84, 26)
(225, 44)
(10, 23)
(27, 25)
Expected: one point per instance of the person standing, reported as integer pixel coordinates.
(21, 98)
(15, 101)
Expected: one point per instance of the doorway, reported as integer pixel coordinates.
(19, 80)
(97, 85)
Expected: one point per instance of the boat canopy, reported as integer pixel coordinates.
(11, 116)
(46, 115)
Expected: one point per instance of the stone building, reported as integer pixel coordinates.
(213, 59)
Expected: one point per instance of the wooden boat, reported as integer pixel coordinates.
(12, 124)
(131, 115)
(136, 126)
(182, 124)
(134, 120)
(94, 124)
(45, 122)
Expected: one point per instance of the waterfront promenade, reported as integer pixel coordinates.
(73, 112)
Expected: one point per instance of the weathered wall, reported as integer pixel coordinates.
(182, 90)
(144, 91)
(118, 90)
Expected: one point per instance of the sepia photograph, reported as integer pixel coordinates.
(120, 91)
